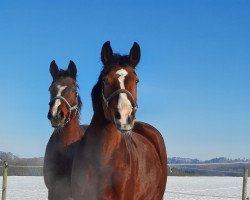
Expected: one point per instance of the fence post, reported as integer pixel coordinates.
(244, 189)
(5, 174)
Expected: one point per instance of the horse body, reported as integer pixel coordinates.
(58, 162)
(119, 158)
(63, 114)
(110, 165)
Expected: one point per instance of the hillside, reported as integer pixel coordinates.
(207, 167)
(17, 166)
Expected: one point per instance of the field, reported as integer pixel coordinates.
(188, 188)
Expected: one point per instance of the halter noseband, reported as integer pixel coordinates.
(70, 108)
(107, 100)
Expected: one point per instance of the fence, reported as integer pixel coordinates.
(5, 174)
(5, 168)
(190, 167)
(19, 171)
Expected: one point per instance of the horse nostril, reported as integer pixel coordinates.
(49, 115)
(130, 119)
(60, 114)
(117, 115)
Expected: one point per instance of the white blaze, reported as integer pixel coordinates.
(58, 101)
(124, 105)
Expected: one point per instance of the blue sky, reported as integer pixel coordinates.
(194, 70)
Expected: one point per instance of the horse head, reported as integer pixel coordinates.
(64, 100)
(119, 86)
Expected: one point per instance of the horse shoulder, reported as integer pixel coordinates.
(49, 163)
(154, 137)
(53, 144)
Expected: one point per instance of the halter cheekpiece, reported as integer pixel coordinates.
(107, 100)
(70, 108)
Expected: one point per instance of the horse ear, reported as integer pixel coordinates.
(53, 69)
(72, 71)
(135, 54)
(107, 53)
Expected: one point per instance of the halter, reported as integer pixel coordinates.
(70, 108)
(107, 100)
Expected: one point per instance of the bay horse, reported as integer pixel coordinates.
(118, 158)
(65, 105)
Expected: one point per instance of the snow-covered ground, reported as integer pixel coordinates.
(26, 188)
(204, 188)
(188, 188)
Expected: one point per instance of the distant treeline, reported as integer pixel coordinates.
(24, 171)
(22, 166)
(207, 170)
(236, 170)
(33, 166)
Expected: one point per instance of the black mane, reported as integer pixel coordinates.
(62, 73)
(96, 93)
(79, 100)
(119, 60)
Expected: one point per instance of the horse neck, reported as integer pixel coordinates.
(100, 128)
(104, 129)
(99, 118)
(71, 132)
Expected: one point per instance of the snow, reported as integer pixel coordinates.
(26, 187)
(204, 188)
(188, 188)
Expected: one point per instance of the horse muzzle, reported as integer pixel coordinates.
(57, 121)
(124, 128)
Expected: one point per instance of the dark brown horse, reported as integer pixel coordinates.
(65, 105)
(118, 158)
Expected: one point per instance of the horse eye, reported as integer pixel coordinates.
(137, 81)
